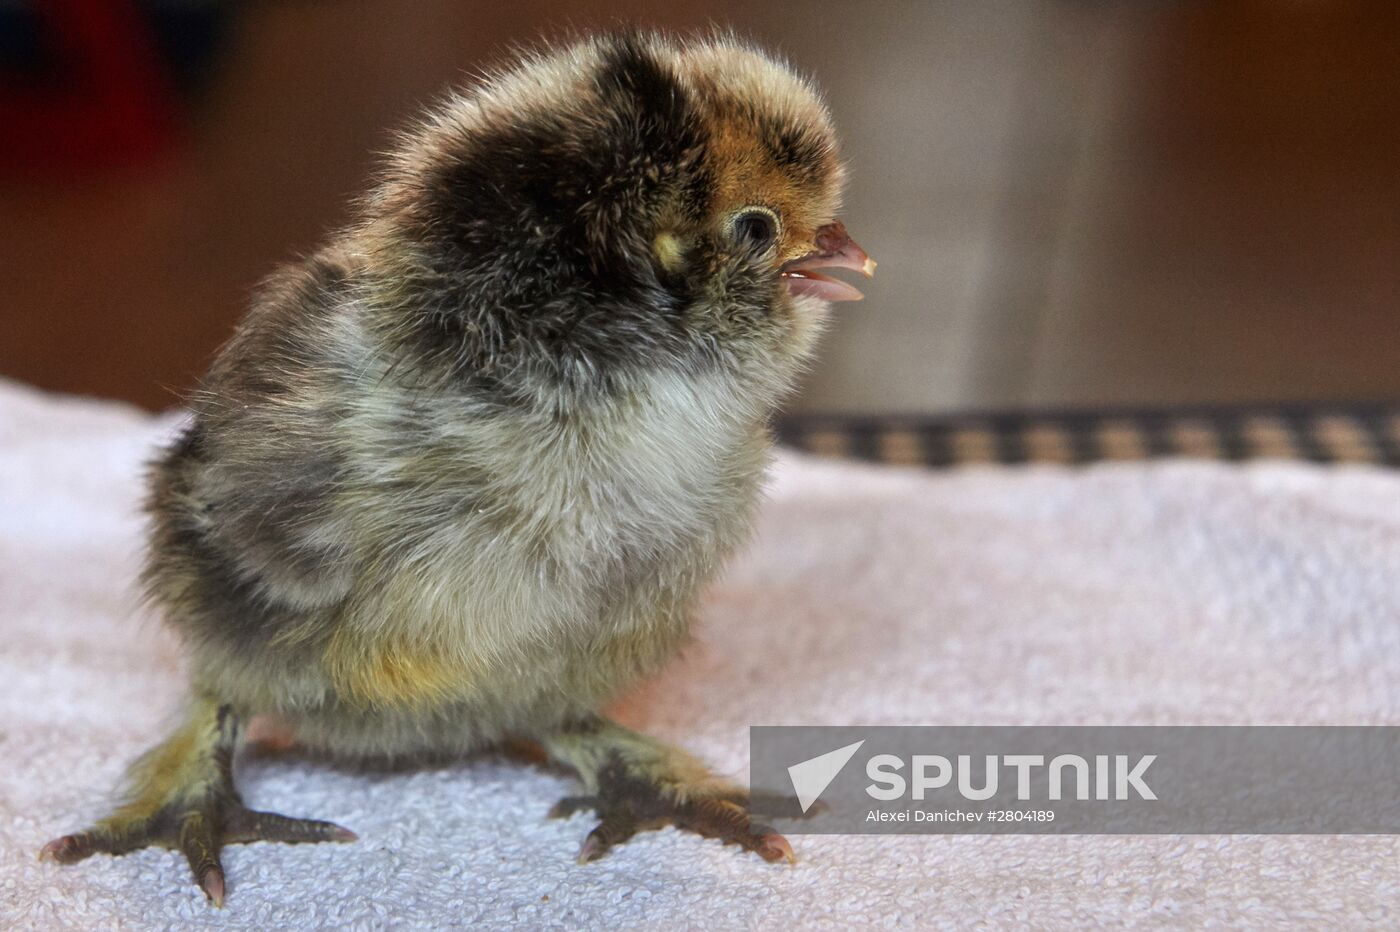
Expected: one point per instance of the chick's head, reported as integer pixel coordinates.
(625, 204)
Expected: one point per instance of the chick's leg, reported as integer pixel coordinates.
(635, 783)
(182, 797)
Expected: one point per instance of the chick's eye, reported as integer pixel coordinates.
(755, 229)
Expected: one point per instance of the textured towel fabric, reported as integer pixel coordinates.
(1168, 593)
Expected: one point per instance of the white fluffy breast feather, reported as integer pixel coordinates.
(513, 530)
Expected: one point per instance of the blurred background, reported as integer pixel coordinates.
(1074, 204)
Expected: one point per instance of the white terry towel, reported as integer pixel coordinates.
(1173, 593)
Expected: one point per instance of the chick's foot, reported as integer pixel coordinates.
(636, 784)
(183, 798)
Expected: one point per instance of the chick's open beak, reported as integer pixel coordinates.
(834, 250)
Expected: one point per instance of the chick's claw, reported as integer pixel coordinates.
(637, 806)
(69, 849)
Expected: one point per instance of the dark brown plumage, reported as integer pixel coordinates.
(460, 475)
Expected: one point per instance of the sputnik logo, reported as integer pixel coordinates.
(811, 777)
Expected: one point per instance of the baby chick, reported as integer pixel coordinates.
(459, 476)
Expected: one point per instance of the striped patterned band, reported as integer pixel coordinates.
(1324, 434)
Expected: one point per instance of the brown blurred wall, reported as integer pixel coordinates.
(1074, 203)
